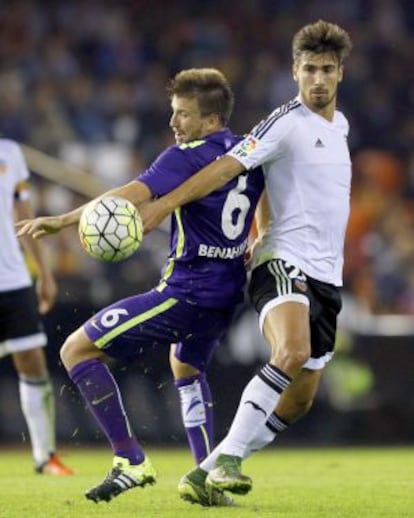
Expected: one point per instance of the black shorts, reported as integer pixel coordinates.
(277, 280)
(20, 324)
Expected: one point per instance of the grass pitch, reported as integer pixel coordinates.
(288, 483)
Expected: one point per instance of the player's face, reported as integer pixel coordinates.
(318, 76)
(186, 120)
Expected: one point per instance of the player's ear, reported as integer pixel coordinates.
(341, 73)
(213, 121)
(294, 72)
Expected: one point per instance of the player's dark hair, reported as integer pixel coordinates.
(209, 86)
(322, 37)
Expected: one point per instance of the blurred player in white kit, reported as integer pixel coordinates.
(21, 330)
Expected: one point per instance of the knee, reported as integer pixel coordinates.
(76, 349)
(31, 363)
(66, 351)
(290, 358)
(183, 370)
(180, 369)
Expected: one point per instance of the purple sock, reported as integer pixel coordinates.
(197, 414)
(100, 391)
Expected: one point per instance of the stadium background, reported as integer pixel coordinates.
(84, 81)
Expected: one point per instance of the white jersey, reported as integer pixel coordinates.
(307, 168)
(13, 171)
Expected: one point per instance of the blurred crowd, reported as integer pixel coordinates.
(84, 80)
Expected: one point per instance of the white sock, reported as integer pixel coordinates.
(38, 407)
(266, 434)
(258, 400)
(210, 462)
(263, 437)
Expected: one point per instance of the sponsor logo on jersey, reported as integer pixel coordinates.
(220, 252)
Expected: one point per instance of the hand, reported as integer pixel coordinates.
(152, 214)
(38, 227)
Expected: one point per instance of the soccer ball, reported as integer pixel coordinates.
(110, 229)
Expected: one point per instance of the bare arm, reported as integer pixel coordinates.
(208, 179)
(46, 288)
(135, 191)
(259, 226)
(262, 216)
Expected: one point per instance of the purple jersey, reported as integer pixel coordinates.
(209, 235)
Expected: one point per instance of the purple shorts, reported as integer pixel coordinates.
(133, 325)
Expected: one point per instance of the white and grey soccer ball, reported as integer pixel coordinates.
(110, 229)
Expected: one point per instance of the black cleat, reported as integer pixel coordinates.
(123, 476)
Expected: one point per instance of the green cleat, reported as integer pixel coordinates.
(227, 476)
(191, 488)
(122, 477)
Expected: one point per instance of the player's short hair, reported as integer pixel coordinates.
(209, 86)
(320, 38)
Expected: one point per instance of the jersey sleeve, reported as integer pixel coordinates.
(265, 141)
(167, 172)
(20, 172)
